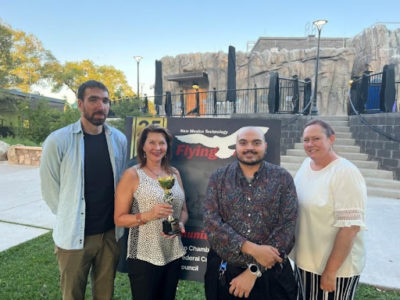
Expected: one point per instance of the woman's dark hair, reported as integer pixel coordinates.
(142, 140)
(327, 128)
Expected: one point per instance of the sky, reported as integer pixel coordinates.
(113, 32)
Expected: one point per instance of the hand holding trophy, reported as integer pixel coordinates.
(170, 225)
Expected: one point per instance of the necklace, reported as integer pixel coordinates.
(155, 174)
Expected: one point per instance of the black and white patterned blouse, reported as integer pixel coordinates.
(145, 242)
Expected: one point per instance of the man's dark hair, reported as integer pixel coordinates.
(90, 84)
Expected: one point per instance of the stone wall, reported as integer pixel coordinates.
(291, 130)
(378, 147)
(24, 155)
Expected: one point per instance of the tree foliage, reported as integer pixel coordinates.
(30, 60)
(127, 107)
(123, 109)
(5, 54)
(23, 59)
(73, 74)
(40, 120)
(25, 62)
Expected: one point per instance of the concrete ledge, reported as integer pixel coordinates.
(24, 155)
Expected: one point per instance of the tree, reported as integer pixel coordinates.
(128, 107)
(5, 54)
(23, 59)
(24, 62)
(38, 119)
(69, 116)
(73, 74)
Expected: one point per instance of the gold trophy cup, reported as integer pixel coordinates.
(170, 225)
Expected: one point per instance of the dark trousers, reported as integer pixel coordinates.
(275, 284)
(151, 282)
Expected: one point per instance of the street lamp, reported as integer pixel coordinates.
(314, 109)
(138, 58)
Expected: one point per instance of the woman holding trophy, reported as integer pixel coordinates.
(150, 201)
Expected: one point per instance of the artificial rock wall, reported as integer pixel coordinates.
(369, 50)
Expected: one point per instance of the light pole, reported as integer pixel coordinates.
(138, 58)
(314, 109)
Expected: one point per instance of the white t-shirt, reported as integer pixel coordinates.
(330, 198)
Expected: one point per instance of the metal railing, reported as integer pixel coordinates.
(374, 90)
(215, 103)
(291, 99)
(369, 125)
(289, 95)
(365, 93)
(375, 93)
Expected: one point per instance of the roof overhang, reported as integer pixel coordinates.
(187, 76)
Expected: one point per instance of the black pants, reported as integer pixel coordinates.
(151, 282)
(275, 284)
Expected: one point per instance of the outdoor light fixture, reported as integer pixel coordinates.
(314, 109)
(320, 23)
(138, 59)
(195, 85)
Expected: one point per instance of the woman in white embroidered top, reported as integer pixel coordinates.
(153, 258)
(329, 250)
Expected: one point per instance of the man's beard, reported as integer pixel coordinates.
(93, 120)
(250, 163)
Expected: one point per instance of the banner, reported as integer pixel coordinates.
(200, 146)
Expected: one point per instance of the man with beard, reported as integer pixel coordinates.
(250, 215)
(80, 167)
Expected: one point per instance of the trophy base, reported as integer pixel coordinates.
(171, 228)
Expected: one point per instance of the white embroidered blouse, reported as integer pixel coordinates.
(330, 198)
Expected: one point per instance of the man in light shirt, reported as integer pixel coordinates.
(80, 167)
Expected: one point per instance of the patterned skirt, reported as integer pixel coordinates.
(309, 287)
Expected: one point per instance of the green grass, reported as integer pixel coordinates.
(18, 140)
(29, 271)
(370, 292)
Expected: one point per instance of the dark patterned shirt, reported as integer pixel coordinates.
(262, 211)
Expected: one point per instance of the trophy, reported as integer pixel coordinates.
(170, 225)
